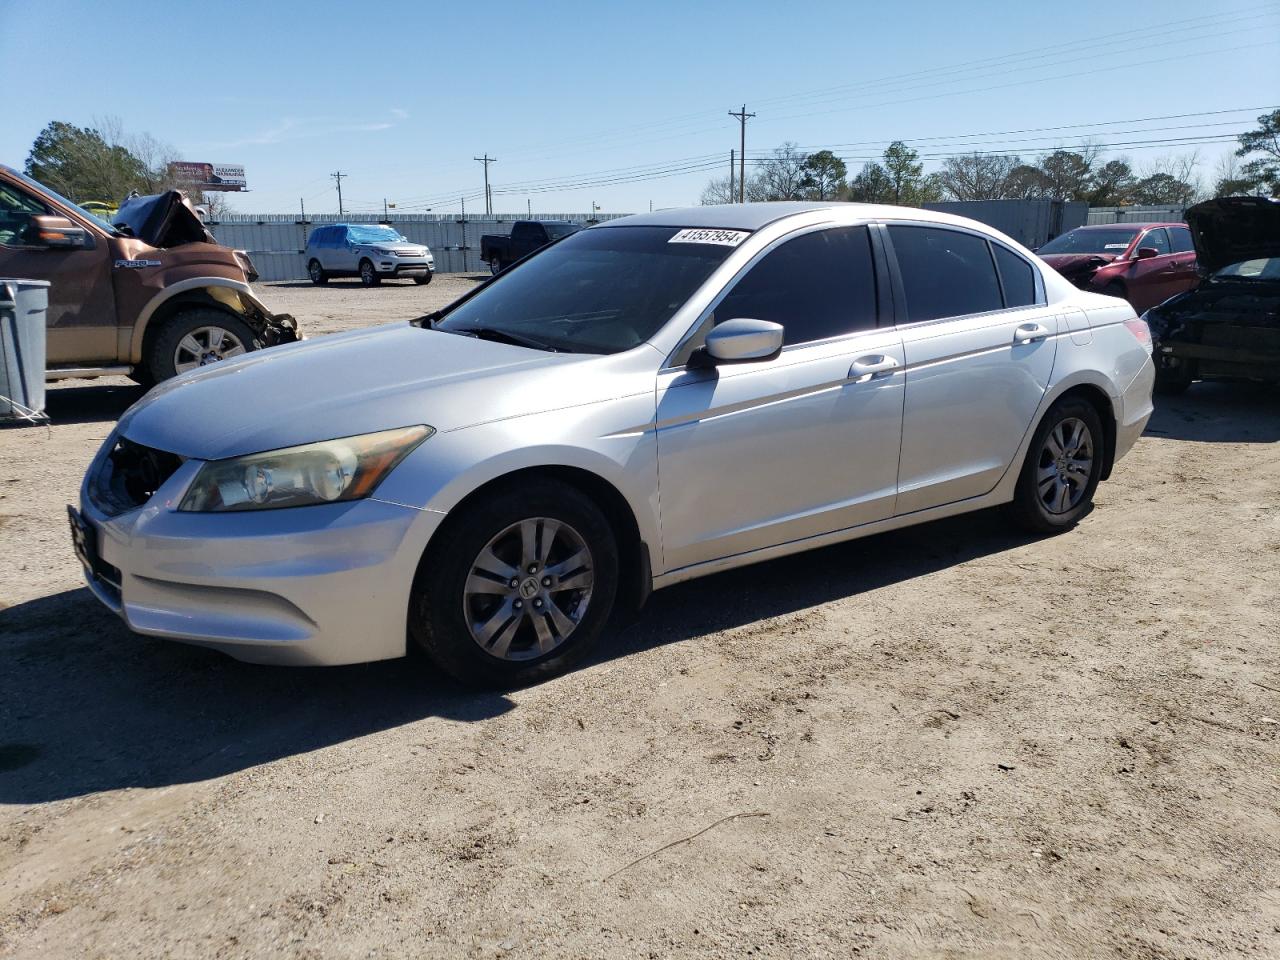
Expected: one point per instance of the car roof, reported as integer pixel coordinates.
(1135, 227)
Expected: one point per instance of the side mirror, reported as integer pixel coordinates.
(740, 341)
(1146, 253)
(56, 233)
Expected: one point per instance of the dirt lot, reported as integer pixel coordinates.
(950, 741)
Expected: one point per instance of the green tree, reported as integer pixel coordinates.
(1263, 171)
(1111, 185)
(1163, 188)
(1067, 175)
(823, 175)
(80, 163)
(871, 185)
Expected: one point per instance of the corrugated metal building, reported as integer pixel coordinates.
(1031, 222)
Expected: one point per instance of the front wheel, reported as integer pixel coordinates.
(195, 338)
(1062, 469)
(517, 588)
(423, 280)
(369, 276)
(317, 274)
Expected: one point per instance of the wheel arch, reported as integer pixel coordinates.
(234, 298)
(1099, 399)
(635, 562)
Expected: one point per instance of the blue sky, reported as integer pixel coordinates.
(564, 93)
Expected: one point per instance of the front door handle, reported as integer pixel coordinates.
(1030, 333)
(872, 365)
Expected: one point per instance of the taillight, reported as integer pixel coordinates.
(1141, 332)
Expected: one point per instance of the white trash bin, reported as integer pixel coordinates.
(23, 304)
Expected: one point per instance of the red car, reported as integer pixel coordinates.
(1145, 263)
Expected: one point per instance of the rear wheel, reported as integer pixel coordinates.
(1062, 469)
(197, 337)
(495, 265)
(517, 588)
(317, 274)
(369, 276)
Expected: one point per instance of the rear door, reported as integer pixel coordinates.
(1185, 272)
(756, 454)
(979, 344)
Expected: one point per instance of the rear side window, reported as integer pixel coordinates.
(944, 273)
(1157, 240)
(819, 285)
(1016, 276)
(1180, 238)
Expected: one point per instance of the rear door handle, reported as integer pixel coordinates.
(872, 365)
(1030, 332)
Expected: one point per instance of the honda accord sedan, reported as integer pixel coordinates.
(646, 401)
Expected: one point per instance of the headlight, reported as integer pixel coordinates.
(381, 252)
(328, 472)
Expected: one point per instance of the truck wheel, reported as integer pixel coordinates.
(317, 274)
(369, 276)
(197, 337)
(495, 265)
(423, 280)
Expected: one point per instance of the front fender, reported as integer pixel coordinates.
(235, 295)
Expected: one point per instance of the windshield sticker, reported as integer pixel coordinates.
(723, 238)
(1114, 246)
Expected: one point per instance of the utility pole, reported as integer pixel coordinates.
(528, 205)
(302, 204)
(384, 210)
(742, 118)
(337, 176)
(488, 197)
(732, 171)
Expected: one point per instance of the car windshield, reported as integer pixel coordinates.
(1091, 241)
(373, 235)
(1267, 268)
(603, 290)
(65, 202)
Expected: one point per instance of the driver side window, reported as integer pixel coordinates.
(1156, 239)
(16, 210)
(819, 285)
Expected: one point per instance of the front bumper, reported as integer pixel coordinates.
(396, 266)
(313, 585)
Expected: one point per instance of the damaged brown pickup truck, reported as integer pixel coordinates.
(150, 295)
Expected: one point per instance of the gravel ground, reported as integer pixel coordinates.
(948, 741)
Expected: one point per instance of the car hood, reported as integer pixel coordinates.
(349, 384)
(162, 220)
(1231, 229)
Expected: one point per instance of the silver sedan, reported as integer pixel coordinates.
(646, 401)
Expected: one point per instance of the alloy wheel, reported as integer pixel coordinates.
(1065, 465)
(528, 589)
(205, 345)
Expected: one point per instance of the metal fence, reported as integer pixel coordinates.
(277, 242)
(1135, 214)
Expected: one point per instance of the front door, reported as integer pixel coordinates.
(81, 319)
(1154, 279)
(756, 454)
(979, 349)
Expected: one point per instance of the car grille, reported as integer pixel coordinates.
(130, 475)
(415, 254)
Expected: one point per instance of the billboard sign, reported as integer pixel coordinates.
(210, 176)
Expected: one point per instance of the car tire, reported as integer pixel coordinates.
(317, 274)
(1170, 383)
(183, 339)
(495, 266)
(368, 275)
(423, 280)
(1062, 468)
(474, 625)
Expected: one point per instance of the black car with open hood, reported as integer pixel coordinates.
(1228, 327)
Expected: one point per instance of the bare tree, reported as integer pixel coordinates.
(782, 176)
(1178, 175)
(977, 176)
(1229, 178)
(719, 190)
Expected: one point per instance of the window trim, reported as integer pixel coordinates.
(905, 323)
(695, 336)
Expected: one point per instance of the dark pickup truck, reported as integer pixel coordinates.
(526, 236)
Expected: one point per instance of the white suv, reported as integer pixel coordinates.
(369, 251)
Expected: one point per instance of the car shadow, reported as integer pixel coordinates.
(1219, 413)
(92, 404)
(86, 705)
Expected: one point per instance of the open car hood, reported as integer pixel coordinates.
(162, 220)
(1231, 229)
